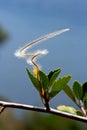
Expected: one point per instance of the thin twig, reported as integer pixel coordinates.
(80, 105)
(40, 109)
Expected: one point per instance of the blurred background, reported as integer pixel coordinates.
(22, 21)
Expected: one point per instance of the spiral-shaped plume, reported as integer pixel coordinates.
(31, 57)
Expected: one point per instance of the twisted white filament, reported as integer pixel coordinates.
(30, 57)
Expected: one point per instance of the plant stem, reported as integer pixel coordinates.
(47, 105)
(80, 105)
(40, 109)
(46, 102)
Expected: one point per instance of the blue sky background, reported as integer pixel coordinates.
(26, 20)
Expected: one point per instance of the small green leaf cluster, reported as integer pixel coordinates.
(49, 85)
(78, 94)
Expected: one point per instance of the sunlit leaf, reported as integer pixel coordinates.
(77, 89)
(33, 79)
(70, 110)
(59, 85)
(44, 81)
(69, 93)
(67, 109)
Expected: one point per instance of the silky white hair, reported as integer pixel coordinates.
(31, 57)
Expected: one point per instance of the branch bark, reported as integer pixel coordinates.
(5, 105)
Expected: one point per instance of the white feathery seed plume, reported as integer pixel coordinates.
(31, 57)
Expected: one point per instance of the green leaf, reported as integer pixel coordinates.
(33, 79)
(69, 93)
(44, 81)
(70, 110)
(53, 94)
(79, 113)
(77, 89)
(59, 85)
(85, 104)
(84, 87)
(67, 109)
(53, 75)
